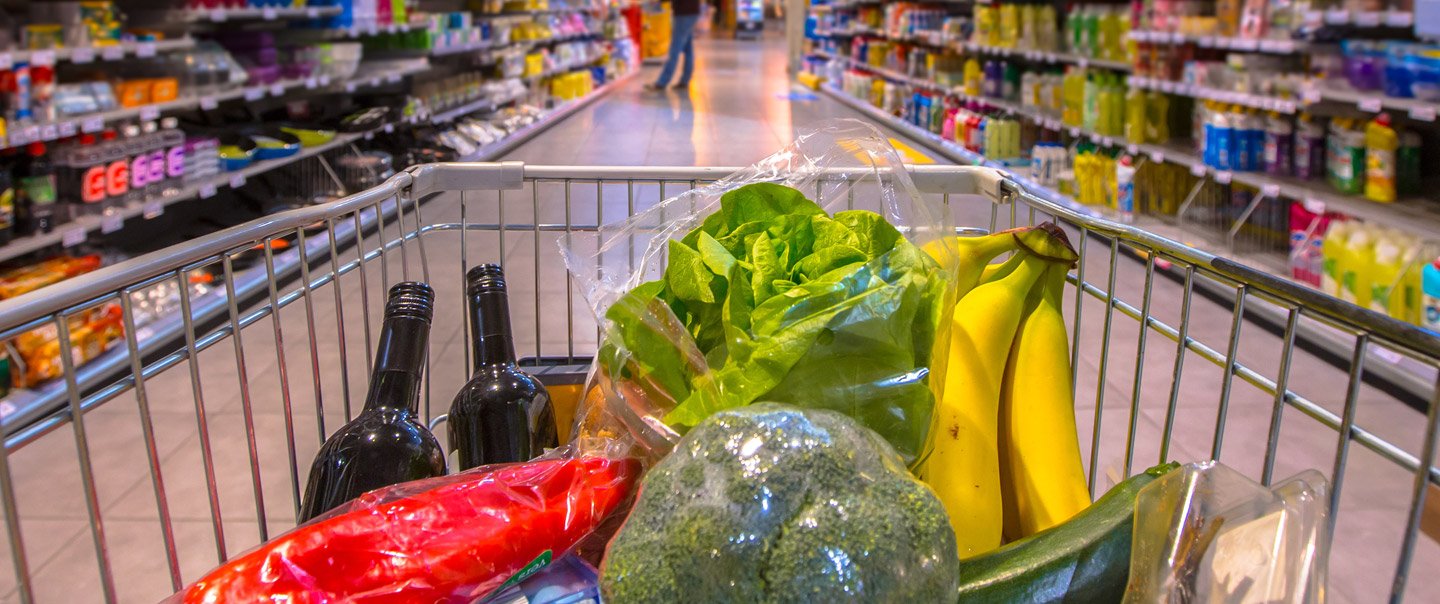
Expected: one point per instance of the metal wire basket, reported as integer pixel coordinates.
(198, 424)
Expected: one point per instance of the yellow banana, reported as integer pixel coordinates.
(964, 464)
(968, 255)
(1043, 477)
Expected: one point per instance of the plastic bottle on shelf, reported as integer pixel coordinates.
(1385, 279)
(1350, 168)
(1309, 153)
(1242, 151)
(7, 206)
(1430, 286)
(1279, 145)
(1135, 115)
(1223, 139)
(1091, 103)
(973, 77)
(1073, 96)
(172, 142)
(1381, 145)
(133, 143)
(80, 176)
(1157, 117)
(1125, 189)
(37, 185)
(1407, 165)
(153, 148)
(1332, 250)
(1357, 266)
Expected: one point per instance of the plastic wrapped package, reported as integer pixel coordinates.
(1206, 533)
(772, 503)
(448, 539)
(798, 280)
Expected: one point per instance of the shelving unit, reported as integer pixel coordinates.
(91, 54)
(268, 13)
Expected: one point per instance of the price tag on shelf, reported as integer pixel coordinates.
(1177, 37)
(312, 12)
(153, 210)
(1314, 206)
(268, 13)
(1157, 157)
(67, 129)
(1370, 104)
(1285, 106)
(389, 128)
(1337, 17)
(349, 87)
(1423, 114)
(369, 134)
(82, 55)
(207, 190)
(324, 80)
(1132, 149)
(32, 133)
(1399, 19)
(1074, 131)
(375, 81)
(237, 181)
(1207, 41)
(218, 15)
(1107, 141)
(208, 102)
(277, 89)
(392, 77)
(1167, 86)
(1271, 190)
(144, 50)
(7, 60)
(72, 236)
(112, 53)
(49, 132)
(111, 222)
(254, 93)
(1368, 19)
(1223, 177)
(149, 113)
(1197, 170)
(92, 124)
(1083, 62)
(1310, 94)
(311, 83)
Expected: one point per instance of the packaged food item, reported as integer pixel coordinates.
(450, 538)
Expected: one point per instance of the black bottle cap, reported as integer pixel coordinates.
(485, 278)
(411, 300)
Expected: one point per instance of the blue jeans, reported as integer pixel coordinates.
(682, 38)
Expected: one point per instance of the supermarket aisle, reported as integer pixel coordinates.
(738, 110)
(733, 116)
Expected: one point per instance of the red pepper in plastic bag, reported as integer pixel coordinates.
(451, 543)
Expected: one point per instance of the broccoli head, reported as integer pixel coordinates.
(769, 503)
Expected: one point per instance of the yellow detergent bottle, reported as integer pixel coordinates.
(1332, 252)
(972, 77)
(1381, 143)
(1386, 295)
(1357, 267)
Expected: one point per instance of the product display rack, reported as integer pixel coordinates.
(267, 13)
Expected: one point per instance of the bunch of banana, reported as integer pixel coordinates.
(1006, 457)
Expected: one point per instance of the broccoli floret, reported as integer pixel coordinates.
(769, 503)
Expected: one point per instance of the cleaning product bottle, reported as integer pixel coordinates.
(1157, 117)
(1407, 165)
(1135, 115)
(1430, 286)
(1350, 164)
(1073, 96)
(1125, 189)
(1091, 103)
(1385, 280)
(1381, 145)
(1223, 139)
(973, 76)
(1357, 267)
(1279, 143)
(1332, 251)
(1309, 159)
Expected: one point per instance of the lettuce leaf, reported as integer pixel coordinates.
(789, 304)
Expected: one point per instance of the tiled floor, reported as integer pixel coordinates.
(737, 112)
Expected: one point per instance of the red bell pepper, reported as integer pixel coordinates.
(451, 543)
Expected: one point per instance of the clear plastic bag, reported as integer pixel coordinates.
(1206, 533)
(800, 280)
(454, 538)
(770, 503)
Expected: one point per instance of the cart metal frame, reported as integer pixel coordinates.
(384, 227)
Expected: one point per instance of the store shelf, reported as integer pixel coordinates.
(472, 107)
(373, 79)
(1362, 19)
(1258, 101)
(1424, 111)
(268, 13)
(1046, 56)
(22, 133)
(91, 54)
(515, 139)
(75, 232)
(888, 73)
(454, 50)
(560, 70)
(522, 14)
(1270, 45)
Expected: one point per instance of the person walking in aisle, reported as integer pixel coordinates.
(686, 15)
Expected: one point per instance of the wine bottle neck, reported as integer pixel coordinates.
(490, 329)
(399, 365)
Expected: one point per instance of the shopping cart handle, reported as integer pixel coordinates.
(471, 176)
(965, 180)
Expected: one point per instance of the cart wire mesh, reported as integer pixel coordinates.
(187, 440)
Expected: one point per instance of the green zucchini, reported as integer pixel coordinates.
(1086, 559)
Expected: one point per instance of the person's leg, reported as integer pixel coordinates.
(689, 65)
(680, 30)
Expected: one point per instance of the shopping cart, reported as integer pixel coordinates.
(198, 426)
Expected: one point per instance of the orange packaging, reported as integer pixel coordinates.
(164, 90)
(133, 93)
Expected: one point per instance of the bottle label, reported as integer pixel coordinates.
(117, 178)
(92, 185)
(1380, 167)
(157, 167)
(1432, 312)
(140, 171)
(40, 190)
(530, 568)
(175, 161)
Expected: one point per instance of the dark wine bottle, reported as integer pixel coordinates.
(386, 443)
(503, 414)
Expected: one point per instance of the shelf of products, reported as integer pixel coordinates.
(259, 13)
(91, 53)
